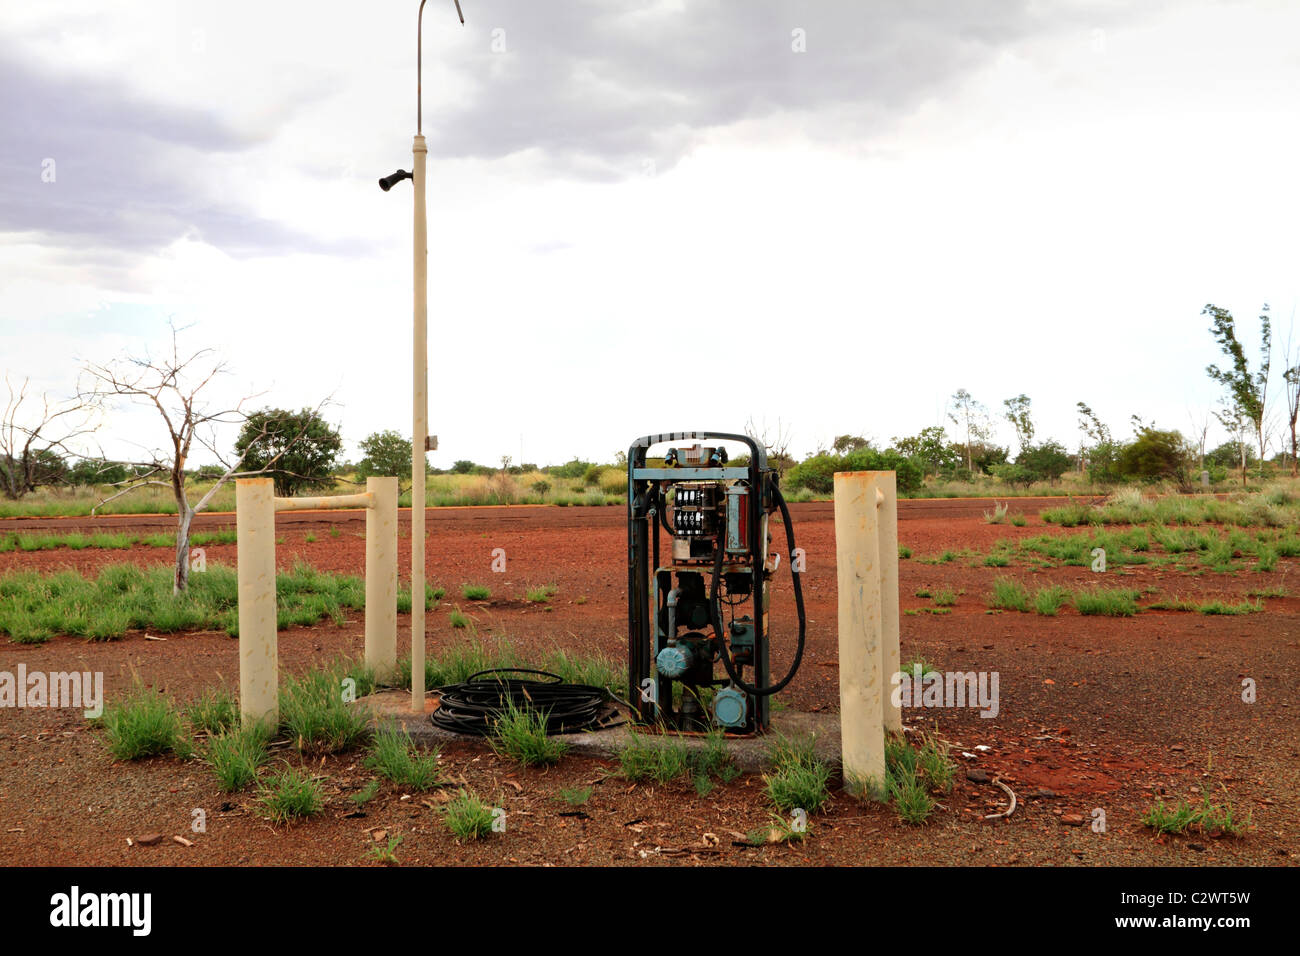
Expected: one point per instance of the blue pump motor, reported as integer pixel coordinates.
(731, 707)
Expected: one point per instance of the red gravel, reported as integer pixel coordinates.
(1104, 713)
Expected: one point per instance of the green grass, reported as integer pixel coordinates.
(366, 793)
(1049, 600)
(1009, 595)
(595, 670)
(214, 713)
(1276, 591)
(394, 757)
(77, 541)
(475, 592)
(1208, 818)
(314, 714)
(659, 762)
(945, 598)
(144, 724)
(1106, 602)
(1220, 607)
(575, 796)
(387, 853)
(290, 795)
(432, 597)
(663, 758)
(912, 664)
(235, 754)
(468, 817)
(904, 553)
(455, 664)
(997, 516)
(1275, 508)
(912, 774)
(542, 594)
(458, 619)
(778, 830)
(123, 597)
(520, 734)
(798, 780)
(934, 764)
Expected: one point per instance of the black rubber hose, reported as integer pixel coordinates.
(716, 607)
(662, 508)
(475, 706)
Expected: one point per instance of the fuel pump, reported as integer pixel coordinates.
(697, 615)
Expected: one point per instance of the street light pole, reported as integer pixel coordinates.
(420, 442)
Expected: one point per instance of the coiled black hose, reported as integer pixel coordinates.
(474, 706)
(715, 607)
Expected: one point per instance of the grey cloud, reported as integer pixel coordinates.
(601, 88)
(127, 171)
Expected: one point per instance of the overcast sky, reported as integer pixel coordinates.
(653, 216)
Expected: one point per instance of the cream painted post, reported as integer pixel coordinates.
(887, 525)
(420, 425)
(381, 576)
(259, 667)
(858, 567)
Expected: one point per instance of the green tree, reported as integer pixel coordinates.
(1248, 390)
(844, 444)
(1157, 455)
(930, 448)
(972, 417)
(1017, 413)
(1045, 462)
(385, 454)
(297, 449)
(88, 471)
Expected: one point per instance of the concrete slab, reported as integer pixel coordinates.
(750, 753)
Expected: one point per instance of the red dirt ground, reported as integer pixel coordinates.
(1095, 713)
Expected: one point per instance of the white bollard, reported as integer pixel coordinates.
(420, 422)
(861, 639)
(887, 530)
(259, 666)
(381, 577)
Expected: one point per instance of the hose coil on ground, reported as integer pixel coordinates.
(474, 706)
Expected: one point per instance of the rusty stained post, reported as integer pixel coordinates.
(859, 566)
(259, 667)
(419, 424)
(887, 535)
(381, 577)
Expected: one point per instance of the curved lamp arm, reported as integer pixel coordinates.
(419, 65)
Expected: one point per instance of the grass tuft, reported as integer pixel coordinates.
(394, 757)
(520, 734)
(235, 755)
(290, 795)
(145, 724)
(468, 817)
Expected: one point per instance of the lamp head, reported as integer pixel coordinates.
(388, 182)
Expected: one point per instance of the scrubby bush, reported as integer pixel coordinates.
(817, 473)
(1045, 462)
(1157, 456)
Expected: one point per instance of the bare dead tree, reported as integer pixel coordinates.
(35, 434)
(776, 442)
(1291, 379)
(1201, 432)
(175, 385)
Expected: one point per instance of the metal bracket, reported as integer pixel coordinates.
(430, 442)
